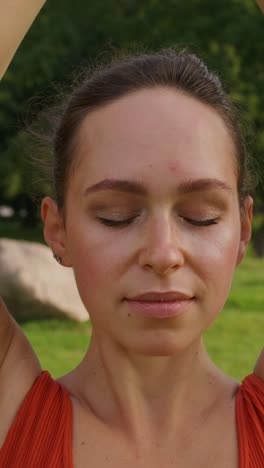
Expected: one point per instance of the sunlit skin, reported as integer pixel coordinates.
(146, 394)
(179, 158)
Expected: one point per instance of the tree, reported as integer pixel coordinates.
(228, 34)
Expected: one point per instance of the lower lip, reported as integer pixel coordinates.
(160, 310)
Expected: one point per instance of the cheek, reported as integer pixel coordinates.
(92, 267)
(92, 277)
(216, 265)
(220, 255)
(96, 264)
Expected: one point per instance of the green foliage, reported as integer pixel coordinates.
(14, 229)
(228, 34)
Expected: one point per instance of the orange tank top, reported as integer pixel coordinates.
(41, 434)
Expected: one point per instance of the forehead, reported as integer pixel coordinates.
(156, 131)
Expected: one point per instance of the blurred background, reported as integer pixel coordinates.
(229, 35)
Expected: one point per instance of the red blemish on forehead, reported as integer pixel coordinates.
(172, 167)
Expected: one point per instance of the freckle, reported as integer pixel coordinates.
(129, 315)
(83, 443)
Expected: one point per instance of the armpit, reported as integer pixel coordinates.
(259, 367)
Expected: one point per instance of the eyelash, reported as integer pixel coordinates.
(126, 222)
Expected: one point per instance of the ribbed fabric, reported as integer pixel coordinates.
(250, 422)
(41, 435)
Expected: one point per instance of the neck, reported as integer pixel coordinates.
(147, 394)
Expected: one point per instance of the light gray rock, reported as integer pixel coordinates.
(34, 285)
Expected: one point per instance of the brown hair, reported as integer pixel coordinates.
(181, 71)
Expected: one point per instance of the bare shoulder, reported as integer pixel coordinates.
(259, 367)
(19, 368)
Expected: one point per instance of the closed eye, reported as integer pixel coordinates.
(127, 221)
(201, 222)
(115, 223)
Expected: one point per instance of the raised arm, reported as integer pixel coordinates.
(261, 4)
(19, 365)
(19, 368)
(16, 17)
(6, 331)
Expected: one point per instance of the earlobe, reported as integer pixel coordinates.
(245, 230)
(54, 230)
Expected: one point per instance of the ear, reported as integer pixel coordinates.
(54, 229)
(245, 227)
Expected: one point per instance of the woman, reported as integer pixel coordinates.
(152, 210)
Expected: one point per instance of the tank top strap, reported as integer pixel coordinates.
(41, 434)
(250, 422)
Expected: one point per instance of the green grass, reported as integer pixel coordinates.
(59, 344)
(233, 341)
(237, 336)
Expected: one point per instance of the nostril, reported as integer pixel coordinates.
(161, 261)
(161, 248)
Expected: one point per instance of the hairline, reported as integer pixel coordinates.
(76, 158)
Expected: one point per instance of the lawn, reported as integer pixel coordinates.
(236, 338)
(233, 341)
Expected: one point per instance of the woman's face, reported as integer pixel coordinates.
(153, 207)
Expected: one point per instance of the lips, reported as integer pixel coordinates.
(170, 296)
(160, 305)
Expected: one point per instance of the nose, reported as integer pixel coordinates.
(162, 247)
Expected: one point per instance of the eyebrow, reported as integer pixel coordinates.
(138, 188)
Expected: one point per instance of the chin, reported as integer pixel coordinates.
(158, 353)
(159, 348)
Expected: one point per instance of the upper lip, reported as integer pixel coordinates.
(154, 296)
